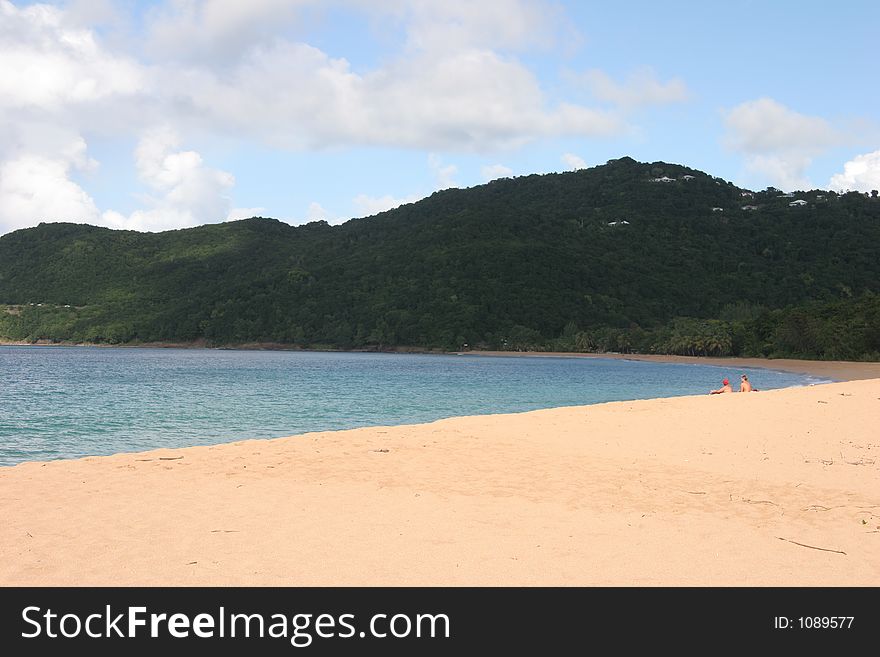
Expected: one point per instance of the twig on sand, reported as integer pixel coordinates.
(224, 531)
(748, 501)
(822, 461)
(696, 492)
(812, 547)
(163, 458)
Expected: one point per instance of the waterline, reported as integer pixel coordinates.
(80, 401)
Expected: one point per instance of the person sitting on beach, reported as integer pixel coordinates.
(745, 386)
(725, 387)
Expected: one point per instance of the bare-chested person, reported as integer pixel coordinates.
(725, 387)
(744, 385)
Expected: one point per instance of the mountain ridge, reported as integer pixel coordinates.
(615, 254)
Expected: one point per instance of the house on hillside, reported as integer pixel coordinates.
(798, 203)
(687, 177)
(717, 209)
(618, 223)
(664, 179)
(748, 194)
(750, 207)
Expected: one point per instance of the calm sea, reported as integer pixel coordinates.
(64, 402)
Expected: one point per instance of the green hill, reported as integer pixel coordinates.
(608, 258)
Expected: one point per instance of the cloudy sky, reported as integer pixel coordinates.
(167, 114)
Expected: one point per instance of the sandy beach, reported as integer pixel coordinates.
(762, 489)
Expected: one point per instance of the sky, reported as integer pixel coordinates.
(153, 116)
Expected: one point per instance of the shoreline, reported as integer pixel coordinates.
(776, 489)
(826, 369)
(838, 370)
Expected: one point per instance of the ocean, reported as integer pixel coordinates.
(68, 402)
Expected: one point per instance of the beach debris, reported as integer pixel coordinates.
(748, 501)
(821, 402)
(812, 547)
(190, 563)
(163, 458)
(225, 531)
(382, 451)
(822, 461)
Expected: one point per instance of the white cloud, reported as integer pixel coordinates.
(292, 95)
(446, 89)
(641, 88)
(245, 213)
(215, 32)
(317, 212)
(573, 161)
(296, 96)
(862, 174)
(36, 188)
(766, 126)
(369, 205)
(224, 68)
(786, 171)
(36, 165)
(449, 87)
(453, 25)
(493, 171)
(37, 171)
(94, 12)
(51, 65)
(185, 191)
(778, 142)
(444, 174)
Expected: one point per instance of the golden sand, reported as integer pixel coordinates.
(770, 488)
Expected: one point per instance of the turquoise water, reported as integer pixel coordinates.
(64, 402)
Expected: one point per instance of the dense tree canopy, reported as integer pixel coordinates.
(625, 256)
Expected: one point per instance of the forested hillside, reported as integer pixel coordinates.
(624, 256)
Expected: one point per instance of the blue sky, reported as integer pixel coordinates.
(159, 115)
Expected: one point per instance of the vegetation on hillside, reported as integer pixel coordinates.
(603, 259)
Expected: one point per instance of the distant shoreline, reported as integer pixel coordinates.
(836, 370)
(832, 369)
